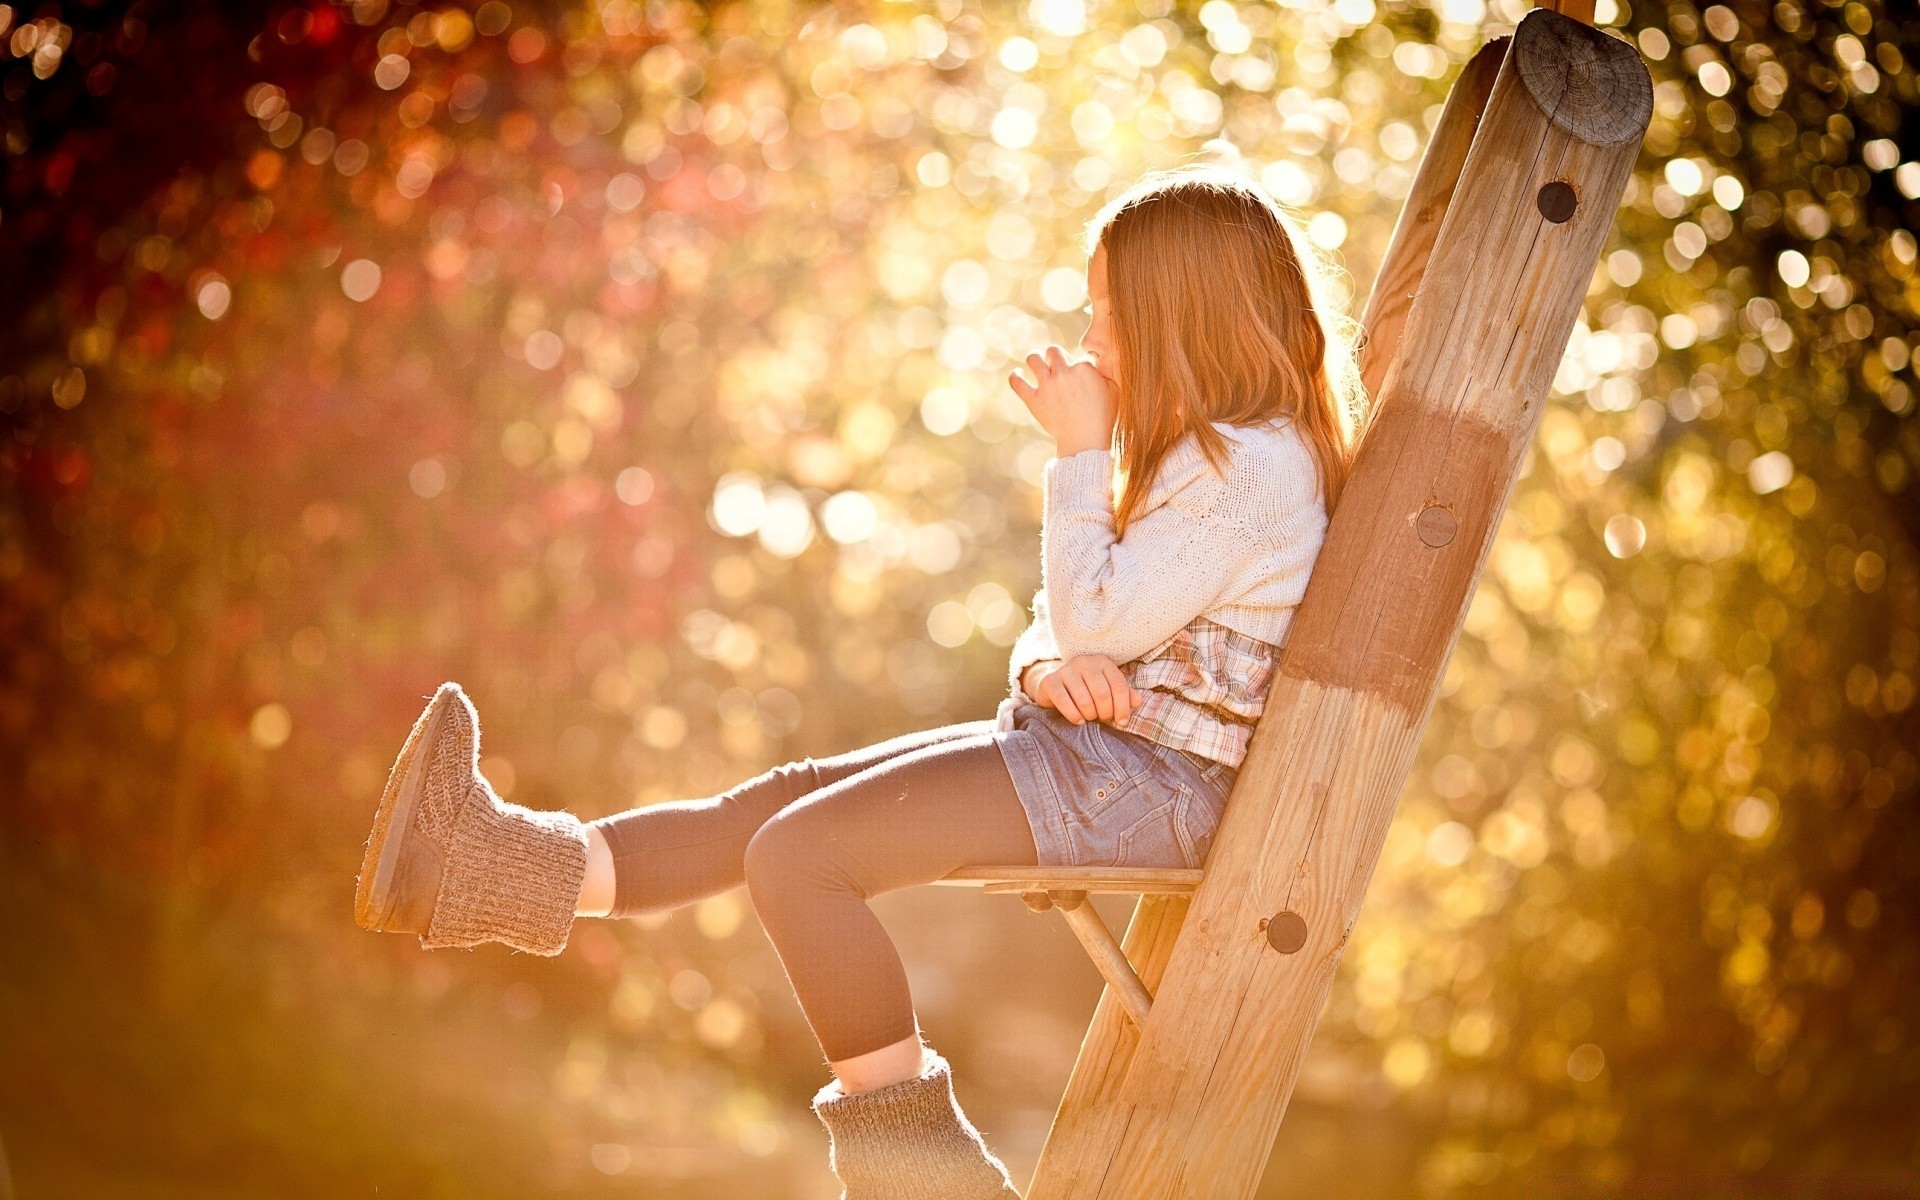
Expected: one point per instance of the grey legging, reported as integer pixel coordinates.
(814, 840)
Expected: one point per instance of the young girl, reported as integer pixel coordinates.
(1225, 397)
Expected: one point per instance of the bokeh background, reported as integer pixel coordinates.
(641, 366)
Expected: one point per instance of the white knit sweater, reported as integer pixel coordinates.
(1238, 549)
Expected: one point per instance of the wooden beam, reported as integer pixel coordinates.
(1405, 263)
(1142, 881)
(1108, 1044)
(1202, 1091)
(1107, 1049)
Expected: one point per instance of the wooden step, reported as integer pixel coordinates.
(1065, 889)
(1133, 881)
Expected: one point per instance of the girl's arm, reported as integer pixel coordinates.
(1097, 690)
(1123, 597)
(1035, 644)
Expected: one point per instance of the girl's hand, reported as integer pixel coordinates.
(1072, 401)
(1082, 688)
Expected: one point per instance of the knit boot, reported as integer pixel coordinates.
(909, 1141)
(452, 862)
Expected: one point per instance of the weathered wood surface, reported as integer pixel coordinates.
(1405, 263)
(1144, 881)
(1188, 1107)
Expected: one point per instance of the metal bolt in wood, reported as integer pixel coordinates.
(1557, 202)
(1435, 525)
(1286, 932)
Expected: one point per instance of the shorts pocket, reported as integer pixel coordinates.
(1115, 769)
(1203, 806)
(1160, 836)
(1199, 822)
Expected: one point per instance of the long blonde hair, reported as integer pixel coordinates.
(1223, 311)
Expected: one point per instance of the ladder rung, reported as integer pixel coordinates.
(1143, 881)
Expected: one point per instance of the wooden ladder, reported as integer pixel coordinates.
(1195, 1045)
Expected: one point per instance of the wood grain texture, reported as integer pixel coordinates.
(1589, 83)
(1458, 410)
(1143, 881)
(1205, 1086)
(1405, 262)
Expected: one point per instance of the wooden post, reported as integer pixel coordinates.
(1189, 1106)
(1108, 1046)
(1405, 263)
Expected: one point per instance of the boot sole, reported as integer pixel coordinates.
(373, 899)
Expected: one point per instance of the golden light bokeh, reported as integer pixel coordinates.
(641, 366)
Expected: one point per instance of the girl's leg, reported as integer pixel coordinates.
(811, 868)
(666, 855)
(451, 862)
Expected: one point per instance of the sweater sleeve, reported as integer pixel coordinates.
(1035, 644)
(1122, 597)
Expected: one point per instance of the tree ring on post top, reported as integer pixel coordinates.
(1589, 83)
(1435, 525)
(1286, 932)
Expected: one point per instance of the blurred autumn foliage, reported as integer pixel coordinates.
(641, 367)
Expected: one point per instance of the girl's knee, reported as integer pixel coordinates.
(783, 857)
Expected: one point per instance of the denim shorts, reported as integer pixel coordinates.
(1097, 796)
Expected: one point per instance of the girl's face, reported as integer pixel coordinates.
(1097, 342)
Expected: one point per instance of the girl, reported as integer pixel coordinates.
(1223, 396)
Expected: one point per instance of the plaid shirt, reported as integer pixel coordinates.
(1204, 688)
